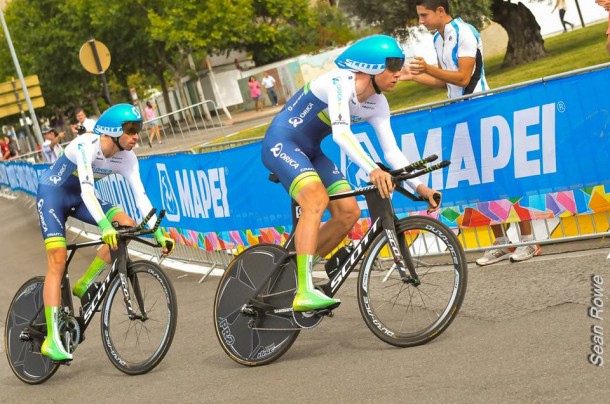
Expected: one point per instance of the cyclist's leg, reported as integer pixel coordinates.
(312, 199)
(298, 176)
(343, 212)
(51, 203)
(113, 214)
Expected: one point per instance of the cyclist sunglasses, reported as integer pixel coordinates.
(132, 128)
(394, 64)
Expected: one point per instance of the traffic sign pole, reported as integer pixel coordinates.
(26, 126)
(100, 69)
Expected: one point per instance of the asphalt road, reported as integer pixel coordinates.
(523, 335)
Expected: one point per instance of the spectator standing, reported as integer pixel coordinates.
(51, 149)
(153, 123)
(269, 84)
(461, 71)
(82, 121)
(13, 144)
(561, 5)
(5, 150)
(459, 51)
(255, 93)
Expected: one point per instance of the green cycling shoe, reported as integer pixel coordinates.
(309, 300)
(52, 345)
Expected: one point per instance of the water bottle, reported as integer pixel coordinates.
(338, 258)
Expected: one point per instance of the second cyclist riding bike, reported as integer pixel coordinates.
(410, 286)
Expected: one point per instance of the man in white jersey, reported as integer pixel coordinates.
(460, 69)
(66, 189)
(291, 149)
(459, 52)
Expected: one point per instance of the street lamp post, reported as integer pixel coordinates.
(22, 80)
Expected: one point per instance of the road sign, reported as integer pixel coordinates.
(30, 81)
(87, 57)
(13, 109)
(11, 98)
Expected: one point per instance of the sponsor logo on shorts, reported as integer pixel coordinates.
(57, 177)
(43, 223)
(52, 212)
(295, 122)
(277, 152)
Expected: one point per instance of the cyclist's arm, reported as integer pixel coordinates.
(130, 170)
(84, 159)
(391, 152)
(338, 111)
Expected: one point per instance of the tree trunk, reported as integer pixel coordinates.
(178, 74)
(525, 42)
(165, 92)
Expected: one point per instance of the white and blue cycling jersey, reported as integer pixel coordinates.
(460, 39)
(327, 105)
(67, 187)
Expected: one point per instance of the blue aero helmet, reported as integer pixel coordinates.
(372, 55)
(112, 120)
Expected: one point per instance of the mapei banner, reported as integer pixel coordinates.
(539, 139)
(541, 150)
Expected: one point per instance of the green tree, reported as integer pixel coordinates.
(189, 26)
(135, 53)
(47, 35)
(525, 42)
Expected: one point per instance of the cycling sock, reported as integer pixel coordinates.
(81, 285)
(307, 297)
(52, 345)
(304, 280)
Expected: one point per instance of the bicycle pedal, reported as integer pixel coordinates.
(328, 311)
(66, 362)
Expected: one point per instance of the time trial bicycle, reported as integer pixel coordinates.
(410, 286)
(138, 305)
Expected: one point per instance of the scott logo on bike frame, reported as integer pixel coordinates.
(339, 278)
(100, 294)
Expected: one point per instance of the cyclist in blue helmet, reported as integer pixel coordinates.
(291, 149)
(66, 189)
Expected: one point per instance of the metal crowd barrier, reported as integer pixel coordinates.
(188, 122)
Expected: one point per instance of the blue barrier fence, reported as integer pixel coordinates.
(527, 142)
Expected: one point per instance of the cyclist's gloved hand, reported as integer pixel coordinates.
(109, 233)
(428, 194)
(167, 243)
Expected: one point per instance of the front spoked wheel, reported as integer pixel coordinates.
(24, 333)
(403, 313)
(251, 335)
(137, 345)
